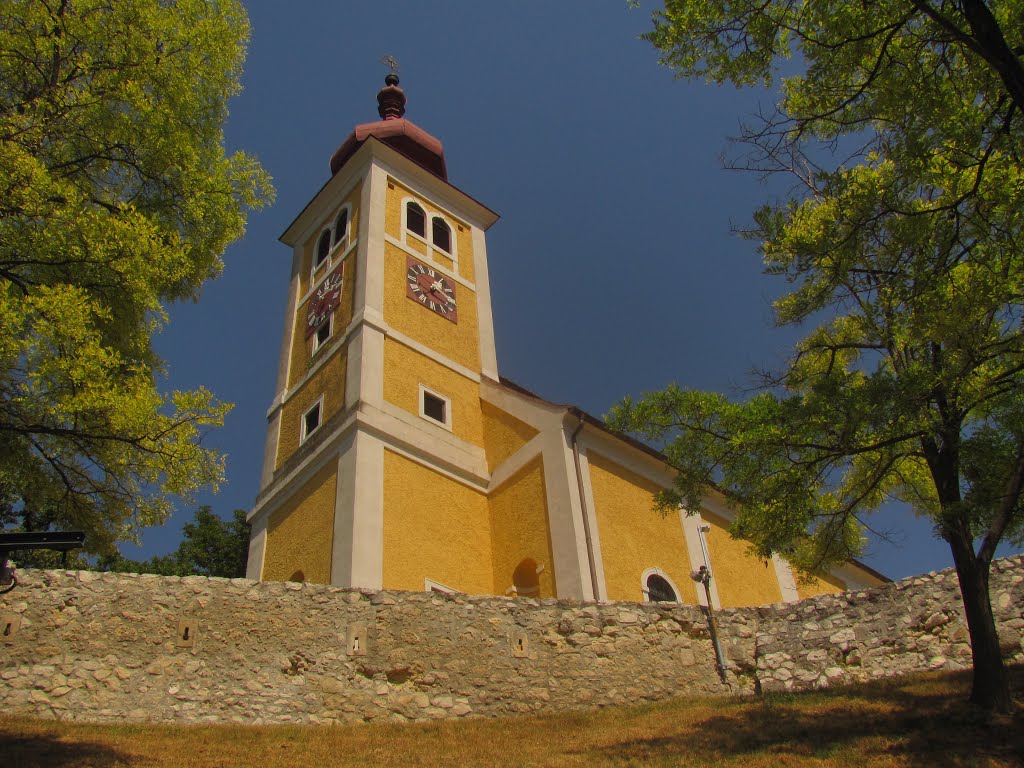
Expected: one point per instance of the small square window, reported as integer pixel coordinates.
(435, 407)
(323, 333)
(311, 419)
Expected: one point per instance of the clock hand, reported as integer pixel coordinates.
(436, 287)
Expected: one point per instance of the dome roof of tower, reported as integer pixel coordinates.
(395, 131)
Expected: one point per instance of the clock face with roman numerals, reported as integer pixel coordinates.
(428, 287)
(324, 299)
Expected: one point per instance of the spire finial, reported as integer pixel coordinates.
(391, 98)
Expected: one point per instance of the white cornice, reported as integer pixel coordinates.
(444, 194)
(456, 201)
(373, 320)
(399, 431)
(433, 264)
(334, 190)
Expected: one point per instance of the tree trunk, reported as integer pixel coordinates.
(990, 689)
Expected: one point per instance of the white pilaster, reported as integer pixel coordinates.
(270, 448)
(787, 581)
(365, 367)
(692, 525)
(488, 354)
(359, 514)
(257, 547)
(595, 535)
(369, 289)
(565, 517)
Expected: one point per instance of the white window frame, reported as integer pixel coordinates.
(406, 232)
(447, 424)
(428, 232)
(646, 593)
(317, 343)
(333, 251)
(348, 229)
(303, 434)
(429, 585)
(453, 253)
(316, 268)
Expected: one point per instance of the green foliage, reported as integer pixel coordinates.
(210, 547)
(901, 125)
(116, 197)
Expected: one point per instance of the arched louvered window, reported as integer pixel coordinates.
(323, 248)
(341, 229)
(415, 219)
(441, 234)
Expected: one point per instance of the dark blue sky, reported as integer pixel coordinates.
(614, 268)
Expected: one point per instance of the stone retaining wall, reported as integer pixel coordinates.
(911, 625)
(83, 645)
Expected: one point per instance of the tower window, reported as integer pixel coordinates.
(323, 333)
(311, 419)
(415, 219)
(323, 248)
(441, 234)
(341, 229)
(435, 407)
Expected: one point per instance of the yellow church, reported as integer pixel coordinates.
(397, 457)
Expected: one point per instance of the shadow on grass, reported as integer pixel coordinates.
(49, 751)
(918, 723)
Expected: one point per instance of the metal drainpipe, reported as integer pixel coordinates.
(583, 507)
(703, 575)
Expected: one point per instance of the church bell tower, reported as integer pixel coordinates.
(375, 471)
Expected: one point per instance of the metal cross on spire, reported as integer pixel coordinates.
(390, 62)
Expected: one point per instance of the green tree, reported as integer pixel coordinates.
(900, 124)
(210, 546)
(116, 198)
(215, 547)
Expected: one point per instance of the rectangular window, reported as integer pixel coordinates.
(435, 407)
(323, 333)
(311, 419)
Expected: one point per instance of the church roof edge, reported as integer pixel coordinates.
(400, 134)
(641, 446)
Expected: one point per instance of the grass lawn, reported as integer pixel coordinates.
(914, 721)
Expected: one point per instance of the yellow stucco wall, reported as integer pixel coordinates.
(461, 232)
(302, 357)
(405, 369)
(309, 247)
(434, 528)
(818, 585)
(300, 534)
(519, 529)
(328, 381)
(457, 341)
(633, 536)
(742, 579)
(503, 434)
